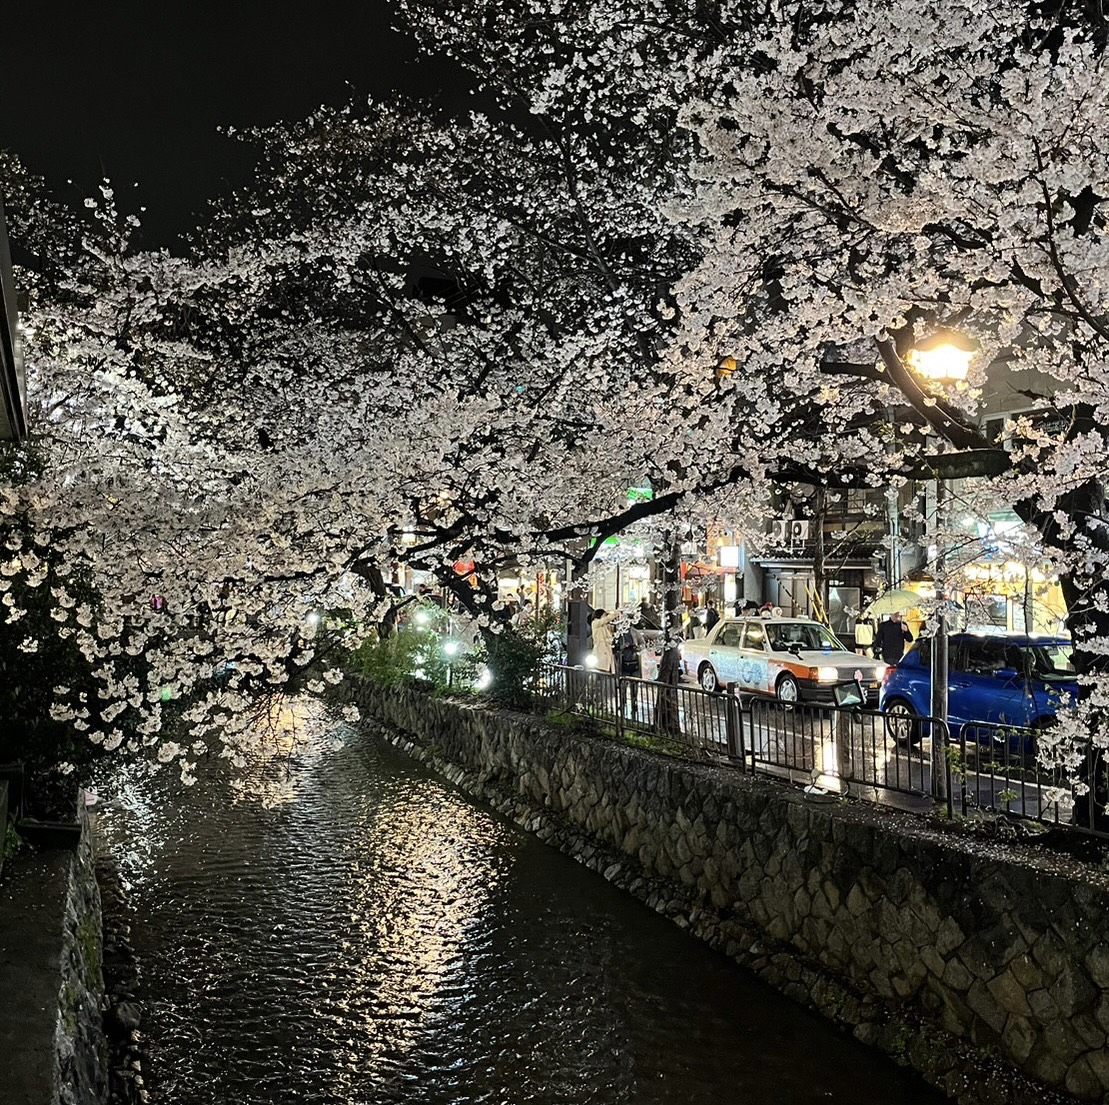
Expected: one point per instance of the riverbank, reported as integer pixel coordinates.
(980, 964)
(51, 977)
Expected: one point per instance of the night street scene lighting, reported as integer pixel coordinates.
(554, 553)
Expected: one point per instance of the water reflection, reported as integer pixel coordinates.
(353, 932)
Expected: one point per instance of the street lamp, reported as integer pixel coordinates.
(943, 358)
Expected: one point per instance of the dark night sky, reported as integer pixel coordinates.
(135, 89)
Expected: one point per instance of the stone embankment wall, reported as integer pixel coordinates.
(80, 1043)
(52, 1045)
(983, 965)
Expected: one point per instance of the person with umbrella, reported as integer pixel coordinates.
(892, 637)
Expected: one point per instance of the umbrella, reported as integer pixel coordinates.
(895, 601)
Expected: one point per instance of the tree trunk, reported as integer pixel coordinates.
(820, 597)
(667, 714)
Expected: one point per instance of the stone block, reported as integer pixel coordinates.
(1009, 994)
(1101, 1013)
(949, 936)
(1072, 990)
(1026, 972)
(934, 962)
(856, 901)
(985, 1006)
(1099, 1064)
(1018, 1038)
(1082, 1081)
(1097, 963)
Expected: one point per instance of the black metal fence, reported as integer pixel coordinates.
(995, 766)
(840, 749)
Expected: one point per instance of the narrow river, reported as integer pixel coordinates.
(346, 929)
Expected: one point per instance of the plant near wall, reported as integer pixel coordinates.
(515, 655)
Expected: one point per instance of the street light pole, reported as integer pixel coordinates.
(939, 649)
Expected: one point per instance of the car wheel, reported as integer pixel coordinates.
(788, 690)
(707, 678)
(902, 722)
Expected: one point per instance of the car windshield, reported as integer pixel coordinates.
(1050, 660)
(801, 635)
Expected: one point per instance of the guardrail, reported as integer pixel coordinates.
(839, 749)
(861, 748)
(677, 714)
(996, 767)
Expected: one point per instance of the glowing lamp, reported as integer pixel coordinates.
(944, 356)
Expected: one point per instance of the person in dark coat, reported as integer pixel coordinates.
(890, 640)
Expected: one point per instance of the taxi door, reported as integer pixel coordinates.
(724, 652)
(754, 669)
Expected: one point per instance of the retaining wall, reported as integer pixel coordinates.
(52, 1045)
(984, 965)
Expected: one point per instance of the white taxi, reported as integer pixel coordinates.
(791, 659)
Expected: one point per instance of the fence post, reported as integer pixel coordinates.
(842, 731)
(619, 707)
(947, 772)
(733, 726)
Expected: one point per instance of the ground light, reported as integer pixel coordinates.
(450, 650)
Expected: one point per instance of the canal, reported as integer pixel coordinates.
(345, 929)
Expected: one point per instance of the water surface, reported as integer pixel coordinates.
(349, 930)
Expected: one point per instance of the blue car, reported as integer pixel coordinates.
(1001, 679)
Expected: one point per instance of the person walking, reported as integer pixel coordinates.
(627, 648)
(694, 630)
(711, 616)
(890, 640)
(864, 637)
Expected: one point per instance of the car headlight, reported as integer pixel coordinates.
(827, 675)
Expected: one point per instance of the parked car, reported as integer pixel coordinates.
(791, 659)
(1010, 679)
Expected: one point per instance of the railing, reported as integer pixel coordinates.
(674, 714)
(863, 748)
(844, 750)
(996, 767)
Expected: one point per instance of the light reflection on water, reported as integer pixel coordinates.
(350, 931)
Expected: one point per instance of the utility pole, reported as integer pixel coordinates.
(939, 647)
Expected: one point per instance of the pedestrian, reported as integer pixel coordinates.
(600, 625)
(864, 637)
(647, 619)
(891, 639)
(694, 630)
(524, 613)
(627, 648)
(711, 616)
